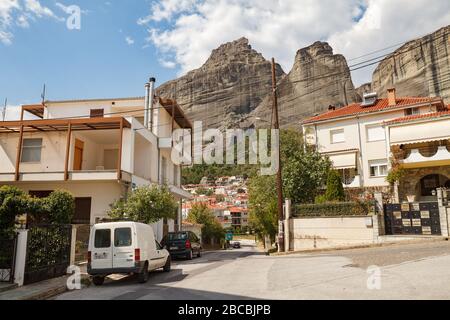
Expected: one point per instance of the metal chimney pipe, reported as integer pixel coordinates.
(151, 96)
(146, 105)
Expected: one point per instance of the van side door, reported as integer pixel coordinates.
(101, 253)
(123, 249)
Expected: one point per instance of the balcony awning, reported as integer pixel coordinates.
(343, 160)
(49, 125)
(413, 133)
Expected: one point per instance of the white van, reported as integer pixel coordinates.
(127, 248)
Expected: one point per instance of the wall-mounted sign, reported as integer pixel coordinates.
(405, 207)
(417, 222)
(415, 207)
(398, 215)
(425, 214)
(426, 231)
(406, 223)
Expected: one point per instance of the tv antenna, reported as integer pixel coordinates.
(43, 95)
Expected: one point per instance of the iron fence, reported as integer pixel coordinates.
(48, 252)
(338, 209)
(7, 257)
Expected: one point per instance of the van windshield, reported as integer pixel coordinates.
(103, 238)
(176, 236)
(122, 237)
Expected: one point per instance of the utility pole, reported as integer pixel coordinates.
(279, 174)
(4, 109)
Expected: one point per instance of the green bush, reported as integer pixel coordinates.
(13, 202)
(338, 209)
(335, 189)
(59, 207)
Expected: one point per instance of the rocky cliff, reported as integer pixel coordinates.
(419, 68)
(318, 79)
(230, 85)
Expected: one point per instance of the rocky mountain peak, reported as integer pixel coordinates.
(238, 51)
(315, 50)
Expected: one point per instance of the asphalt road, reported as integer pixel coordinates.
(407, 271)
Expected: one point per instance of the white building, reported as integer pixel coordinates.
(363, 140)
(96, 149)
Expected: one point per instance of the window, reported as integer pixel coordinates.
(412, 111)
(102, 238)
(376, 133)
(122, 237)
(97, 113)
(158, 246)
(337, 136)
(378, 168)
(31, 150)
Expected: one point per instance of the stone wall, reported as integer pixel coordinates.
(410, 183)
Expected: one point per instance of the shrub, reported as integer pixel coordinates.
(59, 207)
(338, 209)
(13, 202)
(335, 189)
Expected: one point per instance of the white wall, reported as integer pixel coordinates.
(324, 233)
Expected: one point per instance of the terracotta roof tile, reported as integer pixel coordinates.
(380, 105)
(420, 117)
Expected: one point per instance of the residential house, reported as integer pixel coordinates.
(97, 149)
(365, 140)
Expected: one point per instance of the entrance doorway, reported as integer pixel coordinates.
(430, 183)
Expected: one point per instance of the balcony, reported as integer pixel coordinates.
(354, 182)
(426, 157)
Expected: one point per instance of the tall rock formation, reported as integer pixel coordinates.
(231, 84)
(318, 79)
(419, 68)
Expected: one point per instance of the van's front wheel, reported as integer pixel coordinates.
(98, 280)
(144, 275)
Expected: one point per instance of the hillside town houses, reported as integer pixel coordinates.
(98, 149)
(365, 141)
(227, 198)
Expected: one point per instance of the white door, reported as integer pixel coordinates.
(123, 248)
(101, 254)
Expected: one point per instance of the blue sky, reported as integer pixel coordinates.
(93, 62)
(175, 36)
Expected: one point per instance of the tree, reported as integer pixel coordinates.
(335, 189)
(146, 205)
(59, 207)
(305, 171)
(13, 202)
(263, 214)
(201, 214)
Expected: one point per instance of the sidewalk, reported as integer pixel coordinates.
(37, 291)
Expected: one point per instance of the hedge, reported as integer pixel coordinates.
(338, 209)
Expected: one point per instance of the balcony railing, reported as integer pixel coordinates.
(352, 182)
(426, 155)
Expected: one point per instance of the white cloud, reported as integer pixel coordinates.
(129, 41)
(168, 64)
(189, 29)
(20, 12)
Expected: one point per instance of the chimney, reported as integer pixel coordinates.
(146, 105)
(331, 107)
(150, 101)
(392, 97)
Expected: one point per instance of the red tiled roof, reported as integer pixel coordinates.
(380, 105)
(420, 117)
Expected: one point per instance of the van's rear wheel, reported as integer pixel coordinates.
(98, 280)
(144, 275)
(168, 265)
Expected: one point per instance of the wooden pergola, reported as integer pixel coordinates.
(66, 125)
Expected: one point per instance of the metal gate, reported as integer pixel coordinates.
(7, 257)
(48, 252)
(413, 219)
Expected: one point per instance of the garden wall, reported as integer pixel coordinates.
(332, 232)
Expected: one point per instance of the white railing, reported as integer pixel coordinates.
(416, 156)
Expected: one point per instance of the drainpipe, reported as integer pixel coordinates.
(150, 102)
(362, 177)
(146, 104)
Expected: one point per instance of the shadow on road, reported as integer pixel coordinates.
(170, 293)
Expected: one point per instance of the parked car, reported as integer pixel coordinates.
(124, 248)
(183, 244)
(237, 245)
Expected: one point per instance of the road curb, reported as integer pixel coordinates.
(50, 293)
(376, 245)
